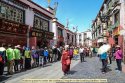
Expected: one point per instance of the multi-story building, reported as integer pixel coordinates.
(109, 23)
(84, 38)
(26, 23)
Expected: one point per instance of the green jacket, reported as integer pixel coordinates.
(10, 54)
(17, 54)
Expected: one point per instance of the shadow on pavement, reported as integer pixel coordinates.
(3, 78)
(72, 72)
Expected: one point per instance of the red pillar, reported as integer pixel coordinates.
(33, 41)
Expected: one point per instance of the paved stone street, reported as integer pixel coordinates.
(91, 69)
(51, 71)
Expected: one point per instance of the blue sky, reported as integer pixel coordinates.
(79, 12)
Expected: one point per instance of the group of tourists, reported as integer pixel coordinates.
(25, 58)
(17, 58)
(114, 53)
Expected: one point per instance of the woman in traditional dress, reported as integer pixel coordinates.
(65, 60)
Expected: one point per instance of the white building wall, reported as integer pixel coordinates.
(54, 30)
(65, 36)
(122, 14)
(29, 17)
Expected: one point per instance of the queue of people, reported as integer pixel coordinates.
(17, 58)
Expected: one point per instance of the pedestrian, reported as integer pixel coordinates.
(38, 56)
(46, 54)
(22, 58)
(34, 56)
(65, 60)
(81, 54)
(75, 53)
(10, 59)
(17, 58)
(110, 57)
(103, 58)
(27, 55)
(55, 56)
(58, 54)
(50, 54)
(2, 59)
(118, 56)
(41, 58)
(71, 52)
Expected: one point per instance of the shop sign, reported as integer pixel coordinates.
(13, 27)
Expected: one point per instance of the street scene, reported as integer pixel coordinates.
(62, 41)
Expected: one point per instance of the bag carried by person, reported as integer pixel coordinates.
(1, 59)
(35, 55)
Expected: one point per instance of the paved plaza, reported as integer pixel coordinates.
(90, 69)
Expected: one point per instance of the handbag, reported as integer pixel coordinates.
(68, 62)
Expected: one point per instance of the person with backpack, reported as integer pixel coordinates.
(2, 59)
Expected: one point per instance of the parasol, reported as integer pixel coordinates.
(104, 48)
(2, 49)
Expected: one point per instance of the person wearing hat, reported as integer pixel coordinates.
(10, 59)
(118, 56)
(17, 57)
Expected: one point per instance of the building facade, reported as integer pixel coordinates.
(109, 23)
(84, 38)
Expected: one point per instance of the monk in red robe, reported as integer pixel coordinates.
(65, 60)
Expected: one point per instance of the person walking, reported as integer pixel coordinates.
(65, 60)
(17, 58)
(81, 54)
(2, 59)
(118, 56)
(103, 58)
(10, 59)
(75, 53)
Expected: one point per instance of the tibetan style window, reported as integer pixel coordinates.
(40, 23)
(11, 13)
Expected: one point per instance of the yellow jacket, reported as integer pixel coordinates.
(75, 52)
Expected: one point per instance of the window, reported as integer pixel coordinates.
(11, 13)
(117, 17)
(67, 36)
(60, 32)
(40, 23)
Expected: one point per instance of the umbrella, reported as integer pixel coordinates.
(2, 49)
(104, 49)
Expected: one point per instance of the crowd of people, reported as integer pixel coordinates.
(17, 58)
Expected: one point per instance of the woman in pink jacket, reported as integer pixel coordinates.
(118, 57)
